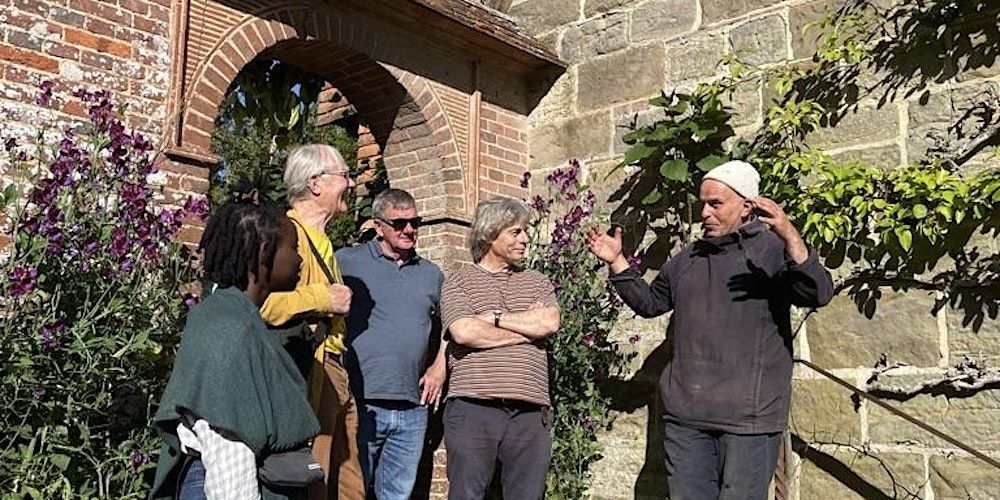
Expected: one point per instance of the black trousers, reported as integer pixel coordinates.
(478, 433)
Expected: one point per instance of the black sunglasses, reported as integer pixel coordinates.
(400, 224)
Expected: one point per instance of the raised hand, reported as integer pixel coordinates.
(773, 215)
(607, 248)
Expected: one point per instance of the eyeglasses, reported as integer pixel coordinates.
(343, 173)
(400, 224)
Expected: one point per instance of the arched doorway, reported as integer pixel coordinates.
(442, 85)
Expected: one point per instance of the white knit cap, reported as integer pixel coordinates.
(738, 175)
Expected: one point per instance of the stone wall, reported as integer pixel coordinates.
(621, 52)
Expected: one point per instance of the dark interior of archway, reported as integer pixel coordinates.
(373, 91)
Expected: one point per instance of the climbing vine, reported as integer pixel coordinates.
(891, 226)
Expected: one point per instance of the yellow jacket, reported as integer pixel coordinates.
(310, 300)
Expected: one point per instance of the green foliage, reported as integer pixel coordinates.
(269, 109)
(89, 311)
(582, 359)
(892, 226)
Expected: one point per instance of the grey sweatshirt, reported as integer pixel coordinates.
(731, 357)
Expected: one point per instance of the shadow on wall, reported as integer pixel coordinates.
(639, 391)
(845, 474)
(964, 38)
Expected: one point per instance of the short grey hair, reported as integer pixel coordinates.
(392, 198)
(491, 218)
(305, 162)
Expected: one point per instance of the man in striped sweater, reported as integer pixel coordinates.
(499, 316)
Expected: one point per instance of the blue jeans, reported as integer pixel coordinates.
(391, 442)
(714, 464)
(193, 484)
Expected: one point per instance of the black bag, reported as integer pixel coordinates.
(290, 469)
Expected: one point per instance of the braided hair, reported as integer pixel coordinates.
(239, 238)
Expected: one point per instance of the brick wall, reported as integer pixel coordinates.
(121, 46)
(621, 52)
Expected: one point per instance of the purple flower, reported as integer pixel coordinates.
(632, 339)
(23, 280)
(128, 265)
(119, 243)
(90, 245)
(38, 393)
(540, 204)
(589, 422)
(524, 180)
(44, 98)
(56, 243)
(190, 300)
(566, 181)
(50, 335)
(590, 339)
(634, 261)
(138, 460)
(197, 207)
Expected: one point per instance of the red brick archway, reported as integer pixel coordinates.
(413, 130)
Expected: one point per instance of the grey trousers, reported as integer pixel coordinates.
(479, 433)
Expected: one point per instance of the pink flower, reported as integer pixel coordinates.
(590, 339)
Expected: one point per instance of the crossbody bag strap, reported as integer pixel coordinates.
(322, 262)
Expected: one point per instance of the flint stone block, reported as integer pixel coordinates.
(558, 100)
(630, 74)
(841, 474)
(884, 157)
(760, 41)
(660, 19)
(864, 125)
(823, 411)
(960, 478)
(718, 10)
(538, 16)
(582, 137)
(804, 41)
(594, 7)
(973, 334)
(694, 58)
(598, 36)
(902, 327)
(971, 419)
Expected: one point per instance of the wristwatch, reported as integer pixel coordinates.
(496, 317)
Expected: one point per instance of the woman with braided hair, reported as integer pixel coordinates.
(235, 397)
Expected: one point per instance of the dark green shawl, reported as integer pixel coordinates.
(231, 371)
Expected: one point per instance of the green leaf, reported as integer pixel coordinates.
(945, 211)
(653, 197)
(675, 170)
(637, 153)
(905, 237)
(709, 162)
(60, 461)
(919, 211)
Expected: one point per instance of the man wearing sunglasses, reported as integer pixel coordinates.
(389, 328)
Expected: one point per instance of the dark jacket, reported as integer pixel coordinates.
(731, 363)
(231, 371)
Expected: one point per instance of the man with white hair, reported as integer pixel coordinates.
(318, 179)
(726, 387)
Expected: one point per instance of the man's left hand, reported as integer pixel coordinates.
(773, 215)
(431, 382)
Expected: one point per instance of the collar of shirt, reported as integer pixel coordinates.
(376, 249)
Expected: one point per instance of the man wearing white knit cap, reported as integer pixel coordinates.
(726, 387)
